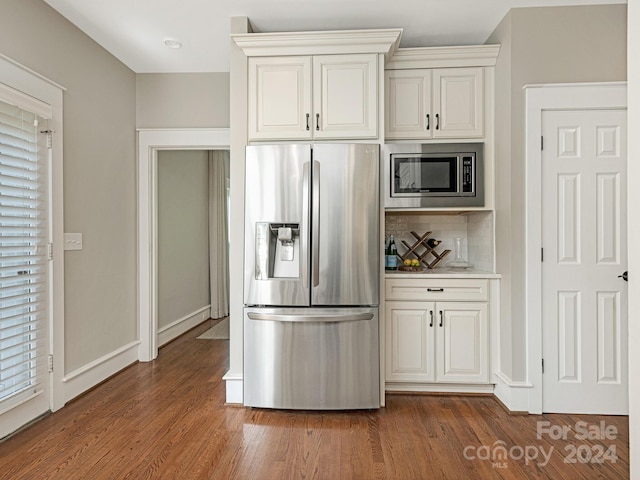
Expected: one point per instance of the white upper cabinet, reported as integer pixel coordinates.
(279, 97)
(458, 102)
(345, 96)
(313, 97)
(408, 104)
(434, 103)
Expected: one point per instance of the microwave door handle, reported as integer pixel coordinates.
(315, 222)
(304, 230)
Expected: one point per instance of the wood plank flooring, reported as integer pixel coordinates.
(167, 420)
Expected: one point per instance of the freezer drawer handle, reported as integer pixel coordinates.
(310, 318)
(435, 289)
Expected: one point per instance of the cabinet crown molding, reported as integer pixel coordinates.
(384, 41)
(442, 57)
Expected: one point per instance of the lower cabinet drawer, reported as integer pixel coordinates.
(427, 289)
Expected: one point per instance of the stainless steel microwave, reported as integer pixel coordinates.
(433, 175)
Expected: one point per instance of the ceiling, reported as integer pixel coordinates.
(134, 31)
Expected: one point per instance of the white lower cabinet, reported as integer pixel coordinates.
(437, 341)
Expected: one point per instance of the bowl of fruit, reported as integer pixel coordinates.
(411, 265)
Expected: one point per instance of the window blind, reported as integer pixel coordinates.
(23, 256)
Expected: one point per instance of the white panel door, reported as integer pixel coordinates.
(462, 348)
(408, 104)
(584, 239)
(279, 98)
(345, 96)
(410, 349)
(458, 104)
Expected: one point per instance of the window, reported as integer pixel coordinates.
(24, 237)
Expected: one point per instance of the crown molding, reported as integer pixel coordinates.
(442, 57)
(385, 41)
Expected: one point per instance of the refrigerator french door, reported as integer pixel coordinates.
(311, 276)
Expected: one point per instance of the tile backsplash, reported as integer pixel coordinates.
(475, 229)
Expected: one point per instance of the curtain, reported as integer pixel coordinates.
(218, 232)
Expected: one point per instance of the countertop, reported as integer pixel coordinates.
(443, 272)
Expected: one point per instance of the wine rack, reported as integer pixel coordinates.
(426, 254)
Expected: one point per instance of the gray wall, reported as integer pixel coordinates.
(99, 174)
(182, 100)
(540, 45)
(183, 234)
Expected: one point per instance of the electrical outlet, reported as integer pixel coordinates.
(73, 241)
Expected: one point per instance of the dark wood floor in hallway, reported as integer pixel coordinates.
(167, 420)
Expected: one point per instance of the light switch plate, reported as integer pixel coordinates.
(73, 241)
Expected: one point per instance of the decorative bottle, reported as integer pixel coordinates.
(391, 258)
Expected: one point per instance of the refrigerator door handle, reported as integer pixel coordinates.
(311, 318)
(315, 223)
(304, 231)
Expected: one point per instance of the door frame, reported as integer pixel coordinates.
(47, 92)
(150, 141)
(610, 95)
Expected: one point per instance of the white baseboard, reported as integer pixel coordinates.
(186, 323)
(234, 388)
(88, 376)
(514, 395)
(438, 387)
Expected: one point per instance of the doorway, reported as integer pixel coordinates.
(539, 99)
(150, 142)
(193, 240)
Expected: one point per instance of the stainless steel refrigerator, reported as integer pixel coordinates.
(311, 276)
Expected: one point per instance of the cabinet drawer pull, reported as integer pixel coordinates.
(441, 318)
(431, 315)
(307, 122)
(435, 289)
(437, 121)
(428, 124)
(317, 122)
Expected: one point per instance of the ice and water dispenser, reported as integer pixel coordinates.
(277, 250)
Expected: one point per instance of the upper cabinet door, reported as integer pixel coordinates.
(408, 104)
(280, 98)
(425, 104)
(345, 96)
(458, 102)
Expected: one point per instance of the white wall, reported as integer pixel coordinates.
(182, 100)
(183, 234)
(543, 45)
(99, 174)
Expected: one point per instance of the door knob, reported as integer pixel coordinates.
(624, 276)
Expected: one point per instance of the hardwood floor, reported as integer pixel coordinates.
(167, 420)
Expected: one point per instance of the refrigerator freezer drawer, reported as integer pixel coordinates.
(311, 359)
